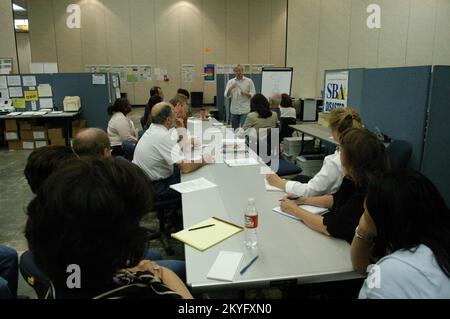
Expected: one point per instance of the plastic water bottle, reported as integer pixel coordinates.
(251, 224)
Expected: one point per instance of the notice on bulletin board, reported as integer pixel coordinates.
(210, 72)
(31, 96)
(19, 103)
(187, 73)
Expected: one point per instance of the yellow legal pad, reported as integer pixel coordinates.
(205, 238)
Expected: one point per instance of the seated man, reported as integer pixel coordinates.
(92, 142)
(159, 153)
(8, 273)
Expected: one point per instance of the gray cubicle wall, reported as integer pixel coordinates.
(395, 100)
(94, 98)
(220, 90)
(436, 157)
(355, 86)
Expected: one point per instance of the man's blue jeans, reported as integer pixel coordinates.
(8, 272)
(238, 120)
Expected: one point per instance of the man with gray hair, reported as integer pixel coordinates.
(159, 154)
(274, 102)
(92, 142)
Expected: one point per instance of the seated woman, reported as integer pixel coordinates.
(288, 116)
(407, 222)
(363, 159)
(329, 178)
(260, 115)
(100, 235)
(120, 127)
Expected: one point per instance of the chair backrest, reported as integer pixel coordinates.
(285, 129)
(399, 153)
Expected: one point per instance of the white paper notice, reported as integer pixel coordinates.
(33, 105)
(98, 79)
(3, 82)
(193, 186)
(29, 80)
(14, 80)
(46, 103)
(15, 92)
(45, 90)
(4, 94)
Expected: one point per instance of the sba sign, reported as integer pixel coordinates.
(336, 90)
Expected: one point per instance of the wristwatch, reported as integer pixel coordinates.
(363, 238)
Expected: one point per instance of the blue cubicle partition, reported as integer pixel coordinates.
(436, 157)
(94, 98)
(395, 100)
(220, 90)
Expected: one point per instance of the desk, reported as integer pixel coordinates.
(68, 117)
(315, 130)
(289, 251)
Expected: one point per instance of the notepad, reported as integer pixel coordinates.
(271, 188)
(225, 266)
(312, 209)
(205, 238)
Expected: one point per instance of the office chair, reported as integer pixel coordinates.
(399, 153)
(285, 129)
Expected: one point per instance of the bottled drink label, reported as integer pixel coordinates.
(251, 221)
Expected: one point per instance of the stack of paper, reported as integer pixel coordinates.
(193, 186)
(225, 266)
(312, 209)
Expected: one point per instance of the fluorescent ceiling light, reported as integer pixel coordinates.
(18, 8)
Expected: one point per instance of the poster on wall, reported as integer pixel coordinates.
(145, 73)
(210, 72)
(336, 90)
(187, 73)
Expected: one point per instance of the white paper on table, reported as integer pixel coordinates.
(271, 188)
(225, 266)
(46, 103)
(3, 82)
(193, 185)
(312, 209)
(45, 90)
(29, 80)
(14, 113)
(15, 92)
(14, 80)
(235, 162)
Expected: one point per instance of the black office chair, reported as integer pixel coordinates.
(285, 129)
(399, 153)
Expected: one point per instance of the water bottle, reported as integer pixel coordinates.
(251, 224)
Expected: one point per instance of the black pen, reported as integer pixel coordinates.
(248, 265)
(206, 226)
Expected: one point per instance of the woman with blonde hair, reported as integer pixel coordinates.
(329, 178)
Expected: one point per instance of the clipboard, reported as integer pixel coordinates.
(204, 238)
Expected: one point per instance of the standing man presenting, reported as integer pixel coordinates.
(241, 89)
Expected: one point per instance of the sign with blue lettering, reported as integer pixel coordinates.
(336, 90)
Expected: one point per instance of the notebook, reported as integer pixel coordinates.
(312, 209)
(205, 238)
(225, 266)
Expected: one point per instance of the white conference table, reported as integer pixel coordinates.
(315, 130)
(289, 252)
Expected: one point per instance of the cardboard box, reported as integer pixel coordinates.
(15, 145)
(55, 133)
(26, 134)
(58, 142)
(11, 125)
(39, 144)
(28, 145)
(39, 133)
(11, 136)
(24, 125)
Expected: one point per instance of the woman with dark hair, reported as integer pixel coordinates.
(260, 115)
(99, 235)
(151, 103)
(407, 222)
(120, 127)
(363, 159)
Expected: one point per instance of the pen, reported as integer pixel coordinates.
(248, 266)
(206, 226)
(292, 198)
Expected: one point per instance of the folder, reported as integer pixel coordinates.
(207, 237)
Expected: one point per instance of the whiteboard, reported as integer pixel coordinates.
(276, 80)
